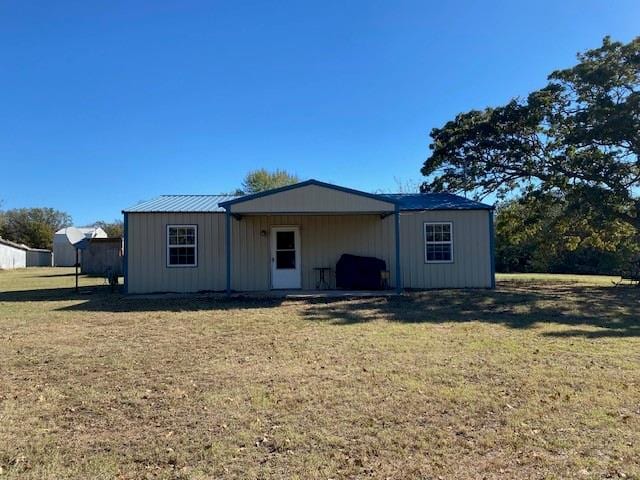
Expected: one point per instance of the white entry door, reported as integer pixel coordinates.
(285, 257)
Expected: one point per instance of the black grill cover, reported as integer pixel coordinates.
(359, 273)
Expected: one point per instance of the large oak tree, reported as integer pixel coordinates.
(578, 137)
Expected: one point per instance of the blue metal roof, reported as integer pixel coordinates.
(182, 203)
(433, 201)
(216, 203)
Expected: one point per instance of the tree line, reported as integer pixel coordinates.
(35, 227)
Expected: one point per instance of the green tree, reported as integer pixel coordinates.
(578, 137)
(33, 226)
(262, 179)
(574, 144)
(113, 229)
(543, 233)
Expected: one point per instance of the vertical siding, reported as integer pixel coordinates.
(11, 257)
(64, 255)
(471, 265)
(323, 239)
(101, 255)
(147, 241)
(312, 198)
(39, 258)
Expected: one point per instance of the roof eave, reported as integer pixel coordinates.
(444, 209)
(172, 211)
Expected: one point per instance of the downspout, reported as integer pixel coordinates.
(125, 264)
(492, 249)
(227, 232)
(397, 235)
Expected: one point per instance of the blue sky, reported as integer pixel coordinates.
(106, 103)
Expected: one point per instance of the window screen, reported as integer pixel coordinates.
(182, 245)
(438, 242)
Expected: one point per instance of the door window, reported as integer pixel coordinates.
(285, 250)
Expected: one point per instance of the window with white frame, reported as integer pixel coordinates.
(182, 245)
(438, 242)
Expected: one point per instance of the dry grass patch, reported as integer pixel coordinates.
(533, 380)
(604, 280)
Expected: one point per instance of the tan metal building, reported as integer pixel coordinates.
(283, 238)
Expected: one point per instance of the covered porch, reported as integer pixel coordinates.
(290, 239)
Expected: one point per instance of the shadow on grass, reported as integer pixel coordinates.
(101, 298)
(614, 311)
(53, 275)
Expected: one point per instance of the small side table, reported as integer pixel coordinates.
(322, 283)
(384, 279)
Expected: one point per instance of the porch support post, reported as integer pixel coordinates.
(492, 249)
(397, 232)
(227, 233)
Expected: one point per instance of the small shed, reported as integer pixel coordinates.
(64, 254)
(39, 257)
(102, 254)
(17, 255)
(12, 255)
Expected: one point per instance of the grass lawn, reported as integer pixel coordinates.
(605, 280)
(537, 379)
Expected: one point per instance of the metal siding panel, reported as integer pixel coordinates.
(215, 241)
(466, 274)
(253, 237)
(406, 247)
(264, 256)
(474, 264)
(134, 259)
(235, 255)
(148, 234)
(418, 275)
(471, 250)
(228, 252)
(212, 250)
(218, 253)
(463, 254)
(148, 270)
(242, 254)
(311, 198)
(250, 255)
(323, 239)
(492, 248)
(135, 279)
(11, 257)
